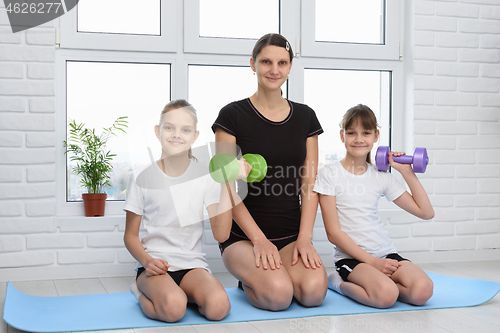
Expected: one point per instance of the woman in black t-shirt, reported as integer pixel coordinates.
(270, 246)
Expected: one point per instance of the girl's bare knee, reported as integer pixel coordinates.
(422, 291)
(217, 306)
(172, 308)
(385, 296)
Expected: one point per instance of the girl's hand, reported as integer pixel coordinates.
(156, 267)
(245, 169)
(266, 253)
(402, 168)
(307, 252)
(386, 266)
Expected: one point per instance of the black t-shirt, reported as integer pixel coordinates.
(273, 202)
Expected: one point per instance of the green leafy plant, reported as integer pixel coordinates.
(87, 149)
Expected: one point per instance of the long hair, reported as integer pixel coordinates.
(363, 115)
(178, 104)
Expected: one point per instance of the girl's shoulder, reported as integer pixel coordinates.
(331, 169)
(148, 177)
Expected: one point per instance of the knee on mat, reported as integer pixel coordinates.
(313, 291)
(217, 307)
(422, 291)
(386, 295)
(172, 309)
(279, 294)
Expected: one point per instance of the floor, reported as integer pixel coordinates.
(483, 318)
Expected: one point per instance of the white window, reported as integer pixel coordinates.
(147, 25)
(345, 89)
(123, 57)
(354, 29)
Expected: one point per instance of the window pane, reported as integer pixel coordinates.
(100, 92)
(208, 99)
(353, 21)
(238, 19)
(345, 89)
(119, 16)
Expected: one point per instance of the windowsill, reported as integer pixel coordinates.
(83, 223)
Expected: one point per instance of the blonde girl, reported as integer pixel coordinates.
(168, 198)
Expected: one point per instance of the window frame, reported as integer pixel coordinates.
(75, 208)
(193, 43)
(390, 50)
(71, 38)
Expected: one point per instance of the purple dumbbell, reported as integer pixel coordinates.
(419, 159)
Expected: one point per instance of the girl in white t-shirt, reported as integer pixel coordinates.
(368, 267)
(168, 198)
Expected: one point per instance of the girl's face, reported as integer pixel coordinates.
(177, 131)
(358, 140)
(272, 67)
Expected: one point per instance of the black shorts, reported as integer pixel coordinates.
(176, 276)
(345, 266)
(278, 242)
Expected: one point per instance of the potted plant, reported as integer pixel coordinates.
(93, 162)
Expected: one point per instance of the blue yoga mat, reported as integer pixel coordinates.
(121, 310)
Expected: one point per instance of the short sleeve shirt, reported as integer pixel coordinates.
(274, 202)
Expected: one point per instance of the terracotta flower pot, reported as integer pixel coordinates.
(94, 204)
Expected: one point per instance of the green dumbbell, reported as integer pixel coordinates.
(224, 168)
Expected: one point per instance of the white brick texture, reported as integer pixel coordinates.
(466, 118)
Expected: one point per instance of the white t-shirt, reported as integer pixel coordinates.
(357, 199)
(172, 212)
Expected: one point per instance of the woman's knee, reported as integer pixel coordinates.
(277, 293)
(171, 308)
(312, 290)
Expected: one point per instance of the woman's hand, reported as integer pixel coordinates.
(156, 267)
(386, 266)
(307, 252)
(266, 253)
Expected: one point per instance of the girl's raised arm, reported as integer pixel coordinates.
(221, 215)
(416, 203)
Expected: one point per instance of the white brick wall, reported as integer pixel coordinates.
(456, 61)
(457, 69)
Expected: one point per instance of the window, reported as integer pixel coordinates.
(123, 57)
(228, 26)
(354, 21)
(119, 17)
(100, 92)
(355, 29)
(345, 89)
(149, 25)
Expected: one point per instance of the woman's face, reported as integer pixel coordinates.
(272, 67)
(177, 131)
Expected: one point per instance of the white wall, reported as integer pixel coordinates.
(453, 63)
